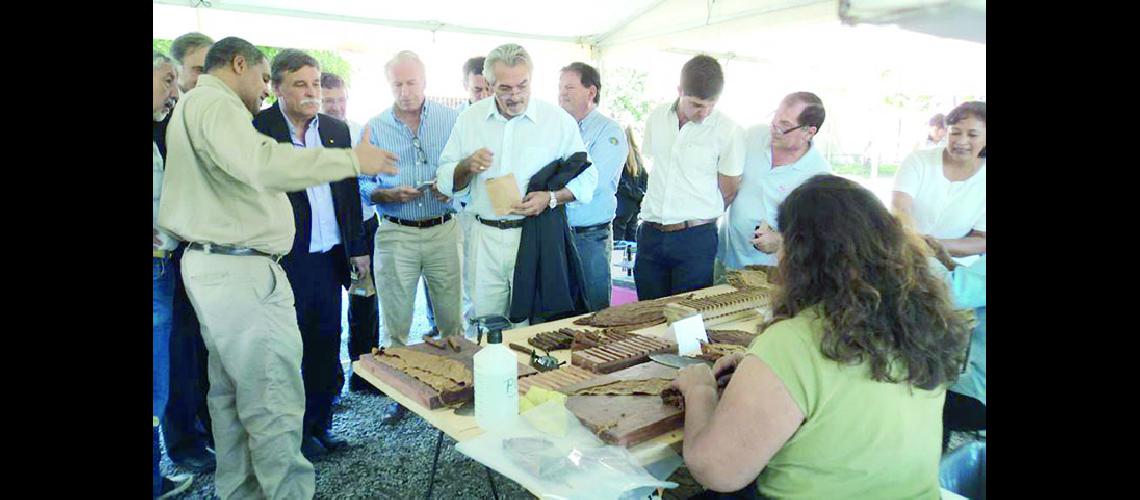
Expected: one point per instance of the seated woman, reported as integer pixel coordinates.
(841, 396)
(965, 408)
(944, 189)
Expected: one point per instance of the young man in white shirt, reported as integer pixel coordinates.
(698, 158)
(510, 134)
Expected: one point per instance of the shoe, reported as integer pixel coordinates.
(361, 386)
(393, 413)
(201, 461)
(312, 448)
(330, 442)
(434, 332)
(174, 485)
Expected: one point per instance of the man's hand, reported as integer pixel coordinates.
(154, 237)
(443, 198)
(767, 239)
(397, 194)
(373, 160)
(361, 265)
(533, 204)
(479, 161)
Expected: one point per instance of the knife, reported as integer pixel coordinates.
(676, 361)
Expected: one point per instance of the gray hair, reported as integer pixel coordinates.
(188, 43)
(159, 59)
(288, 61)
(510, 54)
(404, 56)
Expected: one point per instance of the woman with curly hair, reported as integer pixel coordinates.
(841, 396)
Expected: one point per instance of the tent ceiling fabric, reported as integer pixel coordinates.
(961, 19)
(539, 19)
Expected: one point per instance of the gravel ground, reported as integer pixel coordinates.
(394, 461)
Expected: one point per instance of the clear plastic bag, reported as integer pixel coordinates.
(553, 455)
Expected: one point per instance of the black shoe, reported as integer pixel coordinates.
(330, 442)
(361, 386)
(434, 332)
(312, 448)
(200, 461)
(393, 413)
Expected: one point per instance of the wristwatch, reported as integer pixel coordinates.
(553, 200)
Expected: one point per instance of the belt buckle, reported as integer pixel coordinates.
(206, 247)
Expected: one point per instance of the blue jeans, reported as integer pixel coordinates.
(673, 262)
(595, 247)
(162, 295)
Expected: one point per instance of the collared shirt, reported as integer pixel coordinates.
(325, 231)
(522, 146)
(608, 149)
(225, 183)
(762, 189)
(683, 184)
(367, 211)
(943, 208)
(168, 242)
(416, 164)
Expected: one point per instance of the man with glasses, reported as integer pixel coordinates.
(779, 158)
(418, 235)
(698, 157)
(510, 134)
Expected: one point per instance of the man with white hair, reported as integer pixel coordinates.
(510, 134)
(418, 235)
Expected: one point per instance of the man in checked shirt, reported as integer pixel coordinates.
(418, 234)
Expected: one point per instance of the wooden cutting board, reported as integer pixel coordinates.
(422, 393)
(626, 420)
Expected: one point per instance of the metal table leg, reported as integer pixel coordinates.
(434, 462)
(491, 481)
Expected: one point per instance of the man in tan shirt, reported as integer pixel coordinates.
(224, 193)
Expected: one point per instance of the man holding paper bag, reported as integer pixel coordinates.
(508, 135)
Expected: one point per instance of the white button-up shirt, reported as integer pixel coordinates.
(522, 146)
(683, 184)
(326, 231)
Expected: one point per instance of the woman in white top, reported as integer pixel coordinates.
(943, 190)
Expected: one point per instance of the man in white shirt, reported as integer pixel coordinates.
(779, 157)
(474, 83)
(477, 89)
(510, 134)
(698, 158)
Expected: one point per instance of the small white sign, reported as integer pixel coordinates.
(689, 332)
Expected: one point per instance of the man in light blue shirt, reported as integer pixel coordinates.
(578, 94)
(779, 157)
(418, 236)
(510, 134)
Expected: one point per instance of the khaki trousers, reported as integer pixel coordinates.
(403, 254)
(493, 253)
(256, 398)
(466, 220)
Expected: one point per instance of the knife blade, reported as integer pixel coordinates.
(676, 361)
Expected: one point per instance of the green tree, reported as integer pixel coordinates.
(624, 97)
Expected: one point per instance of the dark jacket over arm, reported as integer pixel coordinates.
(345, 193)
(549, 283)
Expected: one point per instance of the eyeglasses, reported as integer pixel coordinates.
(421, 157)
(776, 128)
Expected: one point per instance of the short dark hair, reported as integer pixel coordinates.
(977, 109)
(331, 81)
(473, 66)
(288, 61)
(188, 43)
(589, 77)
(702, 78)
(938, 120)
(223, 52)
(814, 114)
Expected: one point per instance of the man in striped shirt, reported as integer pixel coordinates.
(418, 235)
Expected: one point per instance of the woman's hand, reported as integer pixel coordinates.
(726, 365)
(693, 376)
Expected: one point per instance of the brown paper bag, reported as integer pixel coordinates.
(504, 193)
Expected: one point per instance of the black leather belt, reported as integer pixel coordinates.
(583, 229)
(420, 223)
(502, 224)
(225, 250)
(668, 228)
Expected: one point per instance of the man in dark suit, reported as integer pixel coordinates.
(329, 232)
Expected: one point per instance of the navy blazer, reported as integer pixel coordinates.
(345, 193)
